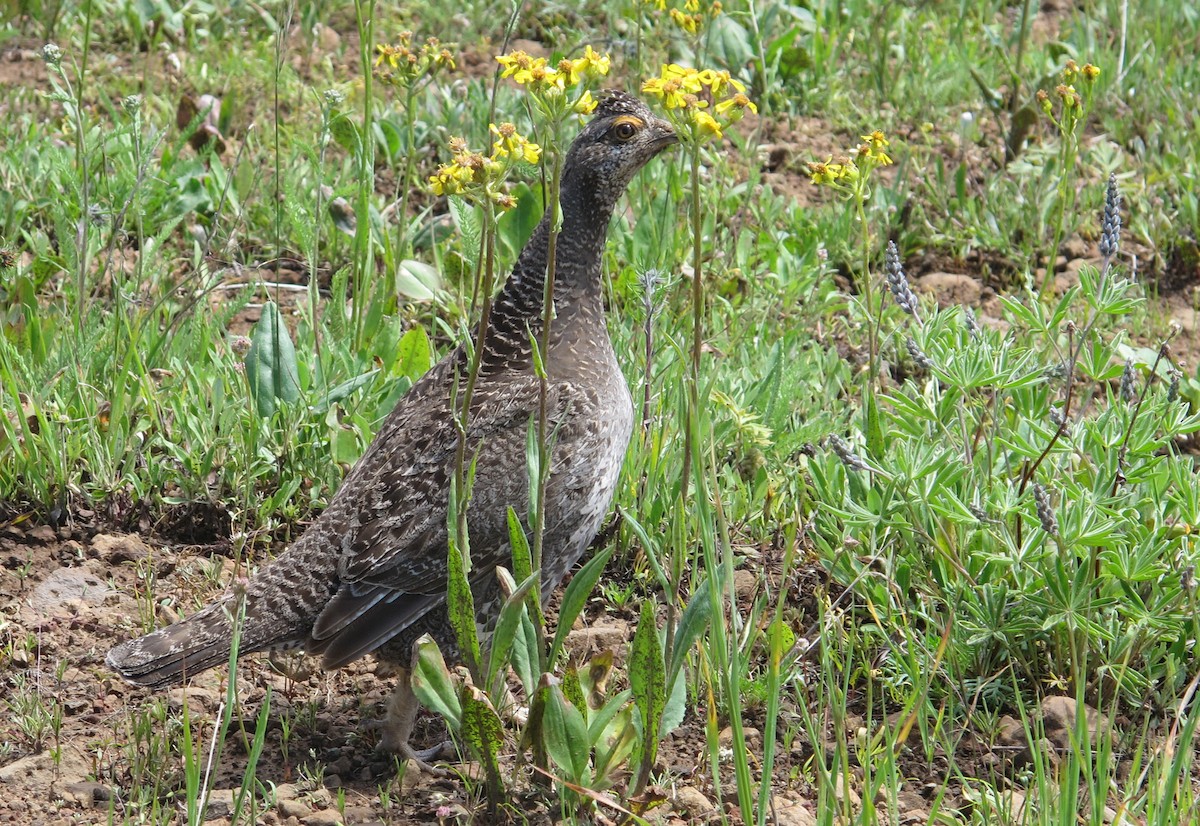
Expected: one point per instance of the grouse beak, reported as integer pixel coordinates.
(662, 137)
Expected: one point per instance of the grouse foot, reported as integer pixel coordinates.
(397, 725)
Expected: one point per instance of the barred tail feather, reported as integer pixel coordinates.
(190, 646)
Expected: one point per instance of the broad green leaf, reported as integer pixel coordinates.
(729, 43)
(414, 356)
(647, 679)
(345, 132)
(461, 605)
(576, 596)
(691, 626)
(573, 691)
(343, 390)
(432, 684)
(481, 727)
(600, 719)
(467, 221)
(565, 736)
(524, 657)
(509, 621)
(417, 281)
(271, 370)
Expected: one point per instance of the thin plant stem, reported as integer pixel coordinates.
(410, 160)
(543, 433)
(691, 420)
(363, 248)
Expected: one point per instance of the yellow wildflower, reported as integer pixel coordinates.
(1090, 72)
(873, 147)
(688, 22)
(510, 143)
(1070, 97)
(522, 67)
(706, 123)
(586, 104)
(734, 106)
(592, 64)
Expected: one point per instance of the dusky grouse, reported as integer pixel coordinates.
(370, 574)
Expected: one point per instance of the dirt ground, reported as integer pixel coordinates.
(72, 592)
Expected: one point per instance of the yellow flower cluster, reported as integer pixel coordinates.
(690, 18)
(542, 78)
(401, 64)
(845, 172)
(511, 144)
(472, 174)
(1072, 101)
(690, 91)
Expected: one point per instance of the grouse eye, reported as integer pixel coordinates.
(624, 130)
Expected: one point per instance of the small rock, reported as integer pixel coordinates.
(85, 793)
(341, 767)
(845, 794)
(1075, 247)
(793, 812)
(116, 549)
(57, 592)
(41, 535)
(293, 808)
(26, 765)
(220, 803)
(286, 791)
(603, 634)
(950, 288)
(327, 817)
(1074, 266)
(361, 814)
(197, 698)
(1060, 717)
(690, 801)
(745, 585)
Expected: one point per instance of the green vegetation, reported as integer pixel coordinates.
(874, 529)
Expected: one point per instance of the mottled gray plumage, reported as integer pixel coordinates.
(370, 573)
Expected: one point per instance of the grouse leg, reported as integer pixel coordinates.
(398, 724)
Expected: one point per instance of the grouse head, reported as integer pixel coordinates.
(618, 141)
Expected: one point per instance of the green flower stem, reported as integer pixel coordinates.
(543, 447)
(363, 249)
(406, 182)
(691, 420)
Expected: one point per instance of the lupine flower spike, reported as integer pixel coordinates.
(1045, 511)
(843, 451)
(919, 358)
(1110, 227)
(898, 282)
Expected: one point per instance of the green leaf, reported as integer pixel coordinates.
(576, 596)
(648, 680)
(565, 736)
(414, 356)
(461, 604)
(691, 625)
(467, 221)
(432, 684)
(729, 43)
(481, 728)
(524, 658)
(345, 132)
(343, 390)
(270, 363)
(509, 621)
(523, 563)
(417, 281)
